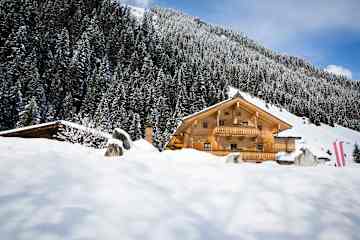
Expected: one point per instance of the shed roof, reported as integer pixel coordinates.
(50, 125)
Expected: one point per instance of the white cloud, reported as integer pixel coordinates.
(137, 3)
(280, 22)
(339, 70)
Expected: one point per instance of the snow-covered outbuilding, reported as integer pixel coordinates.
(63, 131)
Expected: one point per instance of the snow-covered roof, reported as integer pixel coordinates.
(232, 96)
(60, 122)
(28, 128)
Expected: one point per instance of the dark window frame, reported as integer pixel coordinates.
(260, 147)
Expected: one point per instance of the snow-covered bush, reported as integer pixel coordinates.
(123, 136)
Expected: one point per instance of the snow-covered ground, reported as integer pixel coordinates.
(53, 190)
(318, 139)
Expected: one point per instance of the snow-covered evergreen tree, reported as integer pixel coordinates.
(98, 61)
(30, 115)
(356, 153)
(135, 129)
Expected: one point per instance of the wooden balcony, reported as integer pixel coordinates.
(249, 156)
(284, 145)
(236, 131)
(257, 156)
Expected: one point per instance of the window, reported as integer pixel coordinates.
(205, 124)
(233, 147)
(245, 123)
(221, 122)
(260, 127)
(236, 121)
(207, 147)
(260, 147)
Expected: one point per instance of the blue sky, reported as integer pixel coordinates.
(324, 32)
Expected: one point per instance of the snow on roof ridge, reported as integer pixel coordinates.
(251, 99)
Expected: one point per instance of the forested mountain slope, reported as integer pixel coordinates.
(94, 60)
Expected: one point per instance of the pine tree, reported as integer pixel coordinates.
(30, 115)
(135, 128)
(356, 153)
(96, 59)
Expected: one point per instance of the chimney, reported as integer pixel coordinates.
(149, 134)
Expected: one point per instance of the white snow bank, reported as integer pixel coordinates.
(52, 190)
(143, 145)
(318, 139)
(286, 157)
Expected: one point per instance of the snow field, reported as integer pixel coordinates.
(53, 190)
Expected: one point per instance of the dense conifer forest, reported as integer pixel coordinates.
(94, 61)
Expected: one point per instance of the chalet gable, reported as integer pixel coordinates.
(241, 103)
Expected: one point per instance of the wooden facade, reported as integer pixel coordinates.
(235, 125)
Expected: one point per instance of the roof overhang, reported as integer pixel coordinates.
(245, 104)
(290, 137)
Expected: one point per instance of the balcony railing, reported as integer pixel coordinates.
(236, 131)
(254, 156)
(249, 156)
(284, 147)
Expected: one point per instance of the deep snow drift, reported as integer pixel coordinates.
(53, 190)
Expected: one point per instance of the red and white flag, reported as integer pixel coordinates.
(339, 153)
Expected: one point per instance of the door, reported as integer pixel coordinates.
(233, 147)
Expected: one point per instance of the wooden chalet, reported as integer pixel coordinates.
(234, 126)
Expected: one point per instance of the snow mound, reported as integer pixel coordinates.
(143, 145)
(318, 139)
(57, 190)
